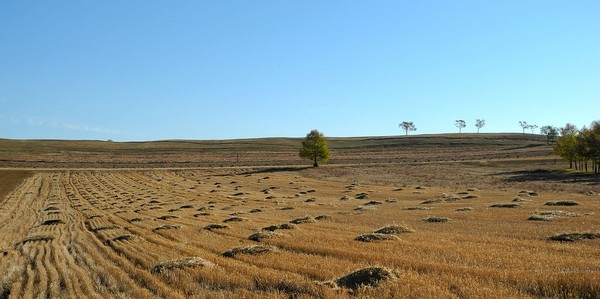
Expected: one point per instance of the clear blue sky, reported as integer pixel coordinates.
(149, 70)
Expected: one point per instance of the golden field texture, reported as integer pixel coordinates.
(281, 233)
(444, 216)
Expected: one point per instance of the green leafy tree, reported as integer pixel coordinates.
(566, 144)
(550, 132)
(407, 126)
(314, 148)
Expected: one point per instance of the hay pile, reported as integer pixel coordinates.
(394, 229)
(506, 205)
(216, 226)
(252, 250)
(540, 218)
(280, 226)
(53, 222)
(371, 237)
(164, 227)
(235, 219)
(371, 276)
(124, 237)
(306, 219)
(323, 218)
(36, 239)
(264, 235)
(572, 237)
(436, 219)
(181, 263)
(416, 208)
(564, 203)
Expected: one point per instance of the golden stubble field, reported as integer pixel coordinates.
(297, 233)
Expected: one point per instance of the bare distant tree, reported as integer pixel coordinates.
(523, 125)
(407, 126)
(460, 124)
(532, 128)
(479, 123)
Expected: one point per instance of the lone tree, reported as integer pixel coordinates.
(407, 126)
(523, 125)
(479, 123)
(460, 124)
(314, 148)
(532, 128)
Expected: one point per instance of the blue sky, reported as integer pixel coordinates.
(150, 70)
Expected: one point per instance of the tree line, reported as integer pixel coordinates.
(580, 147)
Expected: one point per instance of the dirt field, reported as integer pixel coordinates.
(479, 228)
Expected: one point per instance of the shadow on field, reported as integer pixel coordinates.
(270, 170)
(545, 175)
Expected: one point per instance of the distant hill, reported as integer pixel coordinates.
(266, 151)
(272, 144)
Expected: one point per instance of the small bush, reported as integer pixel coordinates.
(323, 218)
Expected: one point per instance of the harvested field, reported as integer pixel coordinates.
(101, 233)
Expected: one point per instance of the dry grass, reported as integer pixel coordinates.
(97, 251)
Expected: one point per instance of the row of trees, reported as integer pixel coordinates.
(409, 126)
(580, 147)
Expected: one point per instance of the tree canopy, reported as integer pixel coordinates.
(580, 146)
(460, 124)
(407, 126)
(479, 123)
(314, 148)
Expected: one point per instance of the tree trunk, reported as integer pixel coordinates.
(316, 164)
(570, 163)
